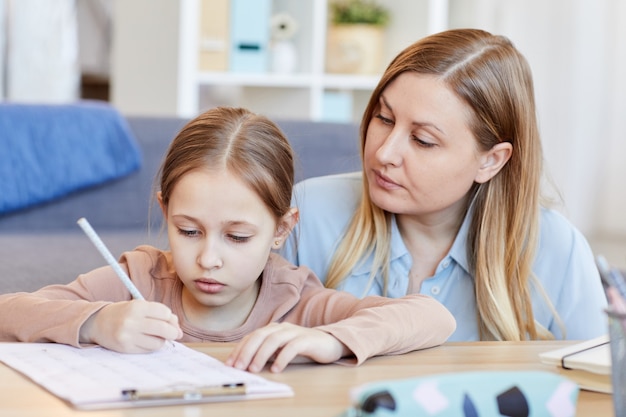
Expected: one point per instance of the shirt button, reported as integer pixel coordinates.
(446, 263)
(435, 290)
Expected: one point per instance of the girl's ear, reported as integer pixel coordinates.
(159, 197)
(285, 226)
(493, 160)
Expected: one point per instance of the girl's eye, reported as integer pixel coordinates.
(384, 119)
(239, 238)
(188, 233)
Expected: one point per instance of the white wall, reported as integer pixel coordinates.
(577, 50)
(611, 210)
(94, 36)
(147, 35)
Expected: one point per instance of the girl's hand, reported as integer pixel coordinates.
(135, 326)
(283, 342)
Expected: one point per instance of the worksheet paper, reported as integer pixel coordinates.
(94, 378)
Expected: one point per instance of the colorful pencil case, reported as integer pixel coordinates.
(468, 394)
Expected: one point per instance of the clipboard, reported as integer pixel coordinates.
(96, 378)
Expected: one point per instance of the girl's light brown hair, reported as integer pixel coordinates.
(491, 76)
(248, 145)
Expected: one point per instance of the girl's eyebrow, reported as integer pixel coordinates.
(237, 223)
(226, 223)
(186, 217)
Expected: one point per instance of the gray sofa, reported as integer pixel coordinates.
(42, 245)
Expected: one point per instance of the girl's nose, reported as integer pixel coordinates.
(209, 257)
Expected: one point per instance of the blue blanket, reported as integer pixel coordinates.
(48, 151)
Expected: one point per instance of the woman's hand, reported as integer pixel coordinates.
(283, 342)
(135, 326)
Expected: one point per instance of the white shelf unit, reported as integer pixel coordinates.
(299, 95)
(304, 89)
(281, 87)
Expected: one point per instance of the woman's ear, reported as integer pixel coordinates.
(285, 225)
(493, 161)
(159, 197)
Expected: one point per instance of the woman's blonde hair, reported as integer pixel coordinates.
(246, 144)
(490, 75)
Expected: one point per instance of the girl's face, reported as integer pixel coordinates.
(420, 156)
(220, 235)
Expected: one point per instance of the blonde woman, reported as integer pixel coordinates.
(448, 202)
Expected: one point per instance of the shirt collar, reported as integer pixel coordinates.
(458, 251)
(398, 250)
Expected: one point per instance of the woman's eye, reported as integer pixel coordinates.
(384, 119)
(423, 143)
(188, 233)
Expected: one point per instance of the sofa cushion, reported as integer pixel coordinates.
(49, 151)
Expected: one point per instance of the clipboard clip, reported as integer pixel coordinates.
(182, 392)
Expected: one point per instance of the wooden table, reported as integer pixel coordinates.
(320, 390)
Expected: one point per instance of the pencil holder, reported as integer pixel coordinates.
(478, 393)
(617, 334)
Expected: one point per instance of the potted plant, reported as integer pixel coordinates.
(355, 36)
(359, 12)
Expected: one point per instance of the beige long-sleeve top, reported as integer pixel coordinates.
(368, 327)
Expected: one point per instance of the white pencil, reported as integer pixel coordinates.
(91, 234)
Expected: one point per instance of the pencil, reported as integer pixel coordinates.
(611, 277)
(99, 244)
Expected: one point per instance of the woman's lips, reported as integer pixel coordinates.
(209, 286)
(385, 182)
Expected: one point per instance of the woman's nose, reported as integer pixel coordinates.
(390, 151)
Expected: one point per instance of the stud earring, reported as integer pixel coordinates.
(276, 242)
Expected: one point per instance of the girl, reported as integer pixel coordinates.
(225, 191)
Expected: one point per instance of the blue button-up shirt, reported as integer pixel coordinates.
(564, 264)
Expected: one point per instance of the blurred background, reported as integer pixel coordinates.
(284, 58)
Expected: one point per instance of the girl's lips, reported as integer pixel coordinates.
(209, 286)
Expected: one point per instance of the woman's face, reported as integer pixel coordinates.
(420, 157)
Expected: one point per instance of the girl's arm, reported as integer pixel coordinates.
(377, 325)
(327, 325)
(95, 308)
(51, 314)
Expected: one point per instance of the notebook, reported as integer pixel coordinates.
(97, 378)
(588, 363)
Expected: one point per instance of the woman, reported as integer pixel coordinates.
(448, 203)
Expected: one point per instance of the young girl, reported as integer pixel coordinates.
(225, 192)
